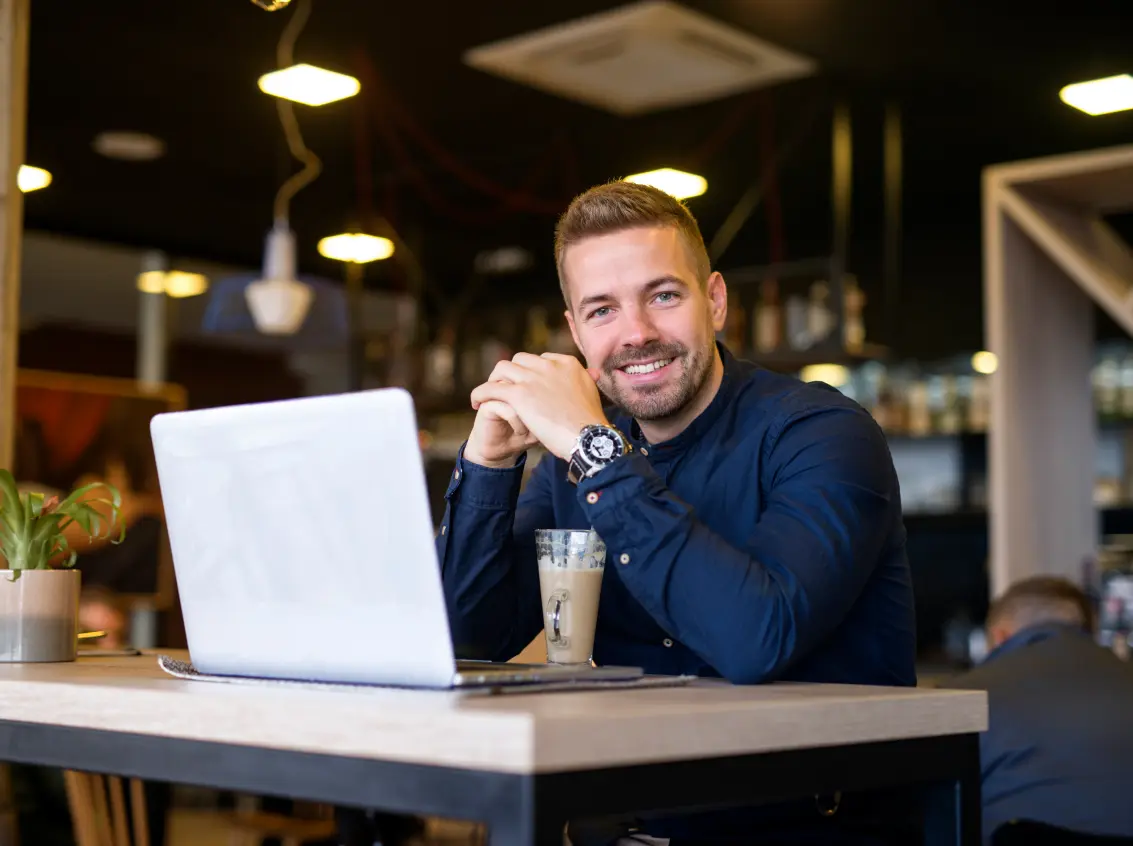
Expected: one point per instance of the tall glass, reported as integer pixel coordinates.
(571, 565)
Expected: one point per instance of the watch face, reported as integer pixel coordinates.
(601, 445)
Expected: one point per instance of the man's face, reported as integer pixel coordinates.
(640, 316)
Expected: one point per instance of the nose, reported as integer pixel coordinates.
(639, 328)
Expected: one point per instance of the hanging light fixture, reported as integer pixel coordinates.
(278, 301)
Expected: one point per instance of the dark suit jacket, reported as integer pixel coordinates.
(1059, 748)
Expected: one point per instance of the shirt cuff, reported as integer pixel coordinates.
(495, 488)
(604, 495)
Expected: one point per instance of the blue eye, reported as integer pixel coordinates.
(600, 312)
(667, 297)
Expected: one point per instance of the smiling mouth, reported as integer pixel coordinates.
(639, 369)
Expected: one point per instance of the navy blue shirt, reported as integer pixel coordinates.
(764, 542)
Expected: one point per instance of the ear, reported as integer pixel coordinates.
(573, 330)
(997, 635)
(717, 292)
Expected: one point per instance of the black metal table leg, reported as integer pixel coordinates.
(952, 813)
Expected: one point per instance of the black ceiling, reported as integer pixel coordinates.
(438, 146)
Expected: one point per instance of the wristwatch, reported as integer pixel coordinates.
(597, 446)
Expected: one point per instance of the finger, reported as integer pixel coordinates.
(507, 371)
(529, 361)
(477, 398)
(506, 413)
(502, 391)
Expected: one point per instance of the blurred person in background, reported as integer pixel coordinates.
(130, 566)
(1059, 747)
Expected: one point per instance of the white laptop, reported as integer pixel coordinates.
(303, 546)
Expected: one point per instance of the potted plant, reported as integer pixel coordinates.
(39, 590)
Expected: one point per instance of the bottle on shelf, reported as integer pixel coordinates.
(853, 329)
(820, 319)
(798, 331)
(920, 412)
(979, 407)
(766, 325)
(951, 422)
(1125, 401)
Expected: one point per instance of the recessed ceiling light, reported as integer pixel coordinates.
(834, 375)
(985, 362)
(173, 283)
(129, 146)
(32, 178)
(676, 183)
(1100, 96)
(356, 247)
(309, 85)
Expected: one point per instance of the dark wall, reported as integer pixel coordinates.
(211, 375)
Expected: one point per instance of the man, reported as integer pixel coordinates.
(1059, 748)
(752, 522)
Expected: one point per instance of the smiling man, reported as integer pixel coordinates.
(752, 522)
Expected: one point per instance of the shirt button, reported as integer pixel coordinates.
(592, 497)
(667, 642)
(624, 558)
(444, 529)
(456, 475)
(644, 451)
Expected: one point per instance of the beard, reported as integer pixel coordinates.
(657, 401)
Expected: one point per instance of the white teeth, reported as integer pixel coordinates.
(648, 368)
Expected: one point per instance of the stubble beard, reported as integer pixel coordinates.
(651, 402)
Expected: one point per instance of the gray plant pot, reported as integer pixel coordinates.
(39, 615)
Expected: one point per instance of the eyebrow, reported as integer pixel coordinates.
(648, 287)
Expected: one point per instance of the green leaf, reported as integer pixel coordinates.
(78, 493)
(10, 505)
(31, 538)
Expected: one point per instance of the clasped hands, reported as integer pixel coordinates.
(529, 400)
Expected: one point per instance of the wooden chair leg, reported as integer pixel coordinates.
(119, 827)
(101, 809)
(139, 812)
(80, 799)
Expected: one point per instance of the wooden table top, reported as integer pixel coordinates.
(514, 733)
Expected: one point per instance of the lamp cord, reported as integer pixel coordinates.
(312, 166)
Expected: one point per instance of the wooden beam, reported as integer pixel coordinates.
(1048, 256)
(13, 133)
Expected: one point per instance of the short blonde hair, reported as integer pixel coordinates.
(619, 205)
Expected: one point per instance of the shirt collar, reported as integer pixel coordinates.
(1034, 634)
(703, 422)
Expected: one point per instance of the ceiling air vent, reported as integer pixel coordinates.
(641, 58)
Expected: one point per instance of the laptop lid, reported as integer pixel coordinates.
(302, 540)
